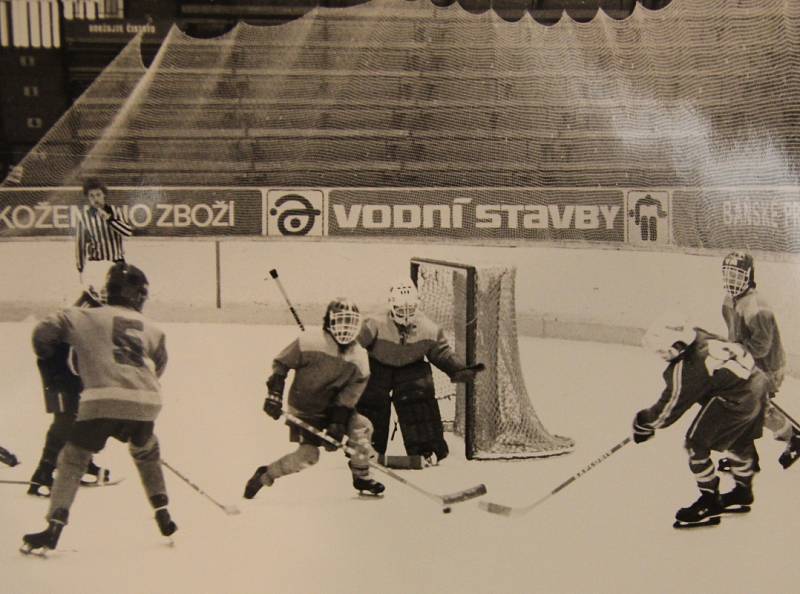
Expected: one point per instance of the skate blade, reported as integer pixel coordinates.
(110, 483)
(369, 495)
(712, 521)
(29, 551)
(742, 509)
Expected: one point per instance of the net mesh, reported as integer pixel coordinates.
(496, 417)
(402, 93)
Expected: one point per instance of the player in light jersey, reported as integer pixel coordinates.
(402, 342)
(751, 322)
(723, 379)
(120, 357)
(330, 372)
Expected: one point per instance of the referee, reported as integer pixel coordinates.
(99, 236)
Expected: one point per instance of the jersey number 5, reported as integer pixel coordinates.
(128, 347)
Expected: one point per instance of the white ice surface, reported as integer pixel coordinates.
(608, 532)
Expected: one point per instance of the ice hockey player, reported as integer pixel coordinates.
(402, 342)
(62, 393)
(723, 379)
(121, 356)
(330, 372)
(751, 322)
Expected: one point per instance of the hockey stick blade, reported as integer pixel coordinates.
(464, 495)
(508, 511)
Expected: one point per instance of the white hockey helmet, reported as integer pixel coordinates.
(738, 273)
(342, 320)
(669, 335)
(403, 302)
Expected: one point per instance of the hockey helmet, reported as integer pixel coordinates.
(342, 320)
(126, 286)
(738, 273)
(669, 335)
(403, 302)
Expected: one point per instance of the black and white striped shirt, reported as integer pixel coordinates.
(98, 239)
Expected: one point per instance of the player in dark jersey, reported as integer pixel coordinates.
(330, 372)
(99, 240)
(402, 343)
(752, 323)
(120, 357)
(723, 379)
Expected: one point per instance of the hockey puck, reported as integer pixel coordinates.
(447, 510)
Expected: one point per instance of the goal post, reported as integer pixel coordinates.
(475, 306)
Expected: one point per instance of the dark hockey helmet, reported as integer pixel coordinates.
(669, 335)
(342, 320)
(127, 286)
(738, 273)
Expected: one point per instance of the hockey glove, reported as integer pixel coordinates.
(641, 432)
(273, 404)
(467, 374)
(338, 417)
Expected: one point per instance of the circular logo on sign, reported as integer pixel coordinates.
(297, 218)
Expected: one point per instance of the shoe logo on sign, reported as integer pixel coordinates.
(295, 214)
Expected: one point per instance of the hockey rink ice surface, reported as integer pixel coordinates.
(608, 532)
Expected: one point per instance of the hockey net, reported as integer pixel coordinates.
(476, 308)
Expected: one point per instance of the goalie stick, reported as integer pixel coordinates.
(228, 509)
(445, 500)
(274, 274)
(509, 511)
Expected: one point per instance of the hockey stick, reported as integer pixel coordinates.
(274, 274)
(785, 414)
(508, 511)
(228, 509)
(445, 500)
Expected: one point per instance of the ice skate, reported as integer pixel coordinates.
(737, 501)
(42, 480)
(791, 453)
(368, 487)
(95, 476)
(259, 479)
(703, 512)
(165, 523)
(39, 543)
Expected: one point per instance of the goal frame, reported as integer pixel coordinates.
(469, 337)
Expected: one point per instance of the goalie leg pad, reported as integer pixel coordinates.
(376, 406)
(304, 456)
(419, 418)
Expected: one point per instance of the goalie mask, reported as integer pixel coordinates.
(126, 286)
(342, 320)
(669, 335)
(403, 303)
(738, 273)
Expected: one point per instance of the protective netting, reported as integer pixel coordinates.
(399, 93)
(476, 308)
